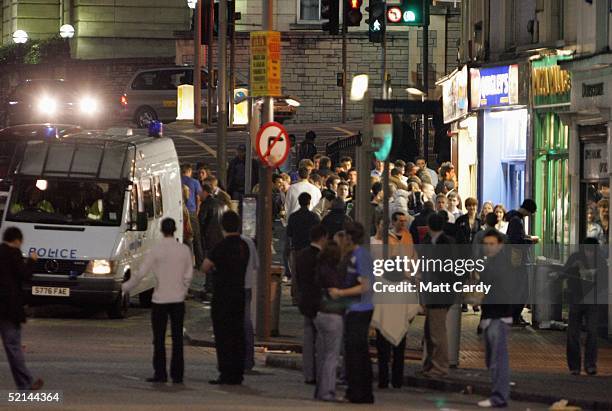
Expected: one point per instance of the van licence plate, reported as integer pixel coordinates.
(52, 291)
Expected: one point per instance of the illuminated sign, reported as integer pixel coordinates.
(494, 86)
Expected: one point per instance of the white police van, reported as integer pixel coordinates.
(90, 204)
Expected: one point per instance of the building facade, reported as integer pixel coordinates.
(312, 59)
(561, 50)
(104, 29)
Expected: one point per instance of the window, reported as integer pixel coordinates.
(309, 10)
(134, 203)
(159, 206)
(147, 197)
(145, 81)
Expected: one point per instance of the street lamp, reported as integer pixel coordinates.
(20, 37)
(67, 31)
(359, 86)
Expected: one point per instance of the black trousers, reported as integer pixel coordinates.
(159, 321)
(384, 349)
(578, 312)
(358, 364)
(227, 311)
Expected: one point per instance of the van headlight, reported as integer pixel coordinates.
(100, 267)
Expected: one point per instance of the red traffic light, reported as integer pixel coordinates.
(394, 14)
(356, 4)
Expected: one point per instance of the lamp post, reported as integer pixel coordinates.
(20, 37)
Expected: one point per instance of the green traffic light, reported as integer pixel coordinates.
(409, 16)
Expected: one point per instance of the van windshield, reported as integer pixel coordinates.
(55, 201)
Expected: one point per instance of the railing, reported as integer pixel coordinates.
(342, 147)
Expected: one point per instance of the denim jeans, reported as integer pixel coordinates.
(11, 338)
(496, 345)
(329, 340)
(308, 350)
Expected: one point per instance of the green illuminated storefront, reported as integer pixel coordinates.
(551, 92)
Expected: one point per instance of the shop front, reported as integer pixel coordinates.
(464, 130)
(589, 154)
(551, 97)
(497, 95)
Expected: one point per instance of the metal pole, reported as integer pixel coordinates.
(363, 213)
(222, 95)
(232, 62)
(383, 59)
(209, 61)
(343, 100)
(264, 207)
(253, 115)
(386, 195)
(426, 75)
(197, 65)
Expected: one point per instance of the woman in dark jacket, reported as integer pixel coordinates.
(13, 273)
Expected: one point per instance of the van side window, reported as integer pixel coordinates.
(159, 206)
(147, 197)
(134, 203)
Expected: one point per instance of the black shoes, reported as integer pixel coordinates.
(224, 382)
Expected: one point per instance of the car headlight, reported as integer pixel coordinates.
(88, 105)
(47, 105)
(100, 267)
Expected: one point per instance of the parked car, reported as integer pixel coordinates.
(52, 101)
(151, 94)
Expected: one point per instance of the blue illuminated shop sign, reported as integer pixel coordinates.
(494, 86)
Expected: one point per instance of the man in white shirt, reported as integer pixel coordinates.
(378, 170)
(302, 186)
(172, 265)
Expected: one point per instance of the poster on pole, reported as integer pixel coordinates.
(265, 64)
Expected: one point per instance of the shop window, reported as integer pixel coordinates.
(147, 197)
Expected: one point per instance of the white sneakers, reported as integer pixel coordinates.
(485, 404)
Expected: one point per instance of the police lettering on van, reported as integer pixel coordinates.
(66, 253)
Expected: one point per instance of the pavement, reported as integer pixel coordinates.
(100, 364)
(537, 359)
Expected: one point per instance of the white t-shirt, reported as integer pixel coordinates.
(291, 200)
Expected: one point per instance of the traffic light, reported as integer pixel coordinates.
(232, 16)
(330, 10)
(408, 13)
(377, 22)
(352, 12)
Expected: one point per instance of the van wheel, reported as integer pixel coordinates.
(119, 308)
(145, 298)
(144, 116)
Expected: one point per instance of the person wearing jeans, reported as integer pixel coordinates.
(357, 286)
(13, 272)
(172, 265)
(496, 317)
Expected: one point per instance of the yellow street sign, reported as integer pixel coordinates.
(265, 64)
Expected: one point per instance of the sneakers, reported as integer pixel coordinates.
(489, 404)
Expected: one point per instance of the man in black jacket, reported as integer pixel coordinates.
(419, 228)
(211, 211)
(309, 296)
(13, 273)
(336, 218)
(496, 317)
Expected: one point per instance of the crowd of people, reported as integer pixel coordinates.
(330, 268)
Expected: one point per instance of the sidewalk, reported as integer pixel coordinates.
(537, 358)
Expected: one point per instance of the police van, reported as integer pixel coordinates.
(90, 205)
